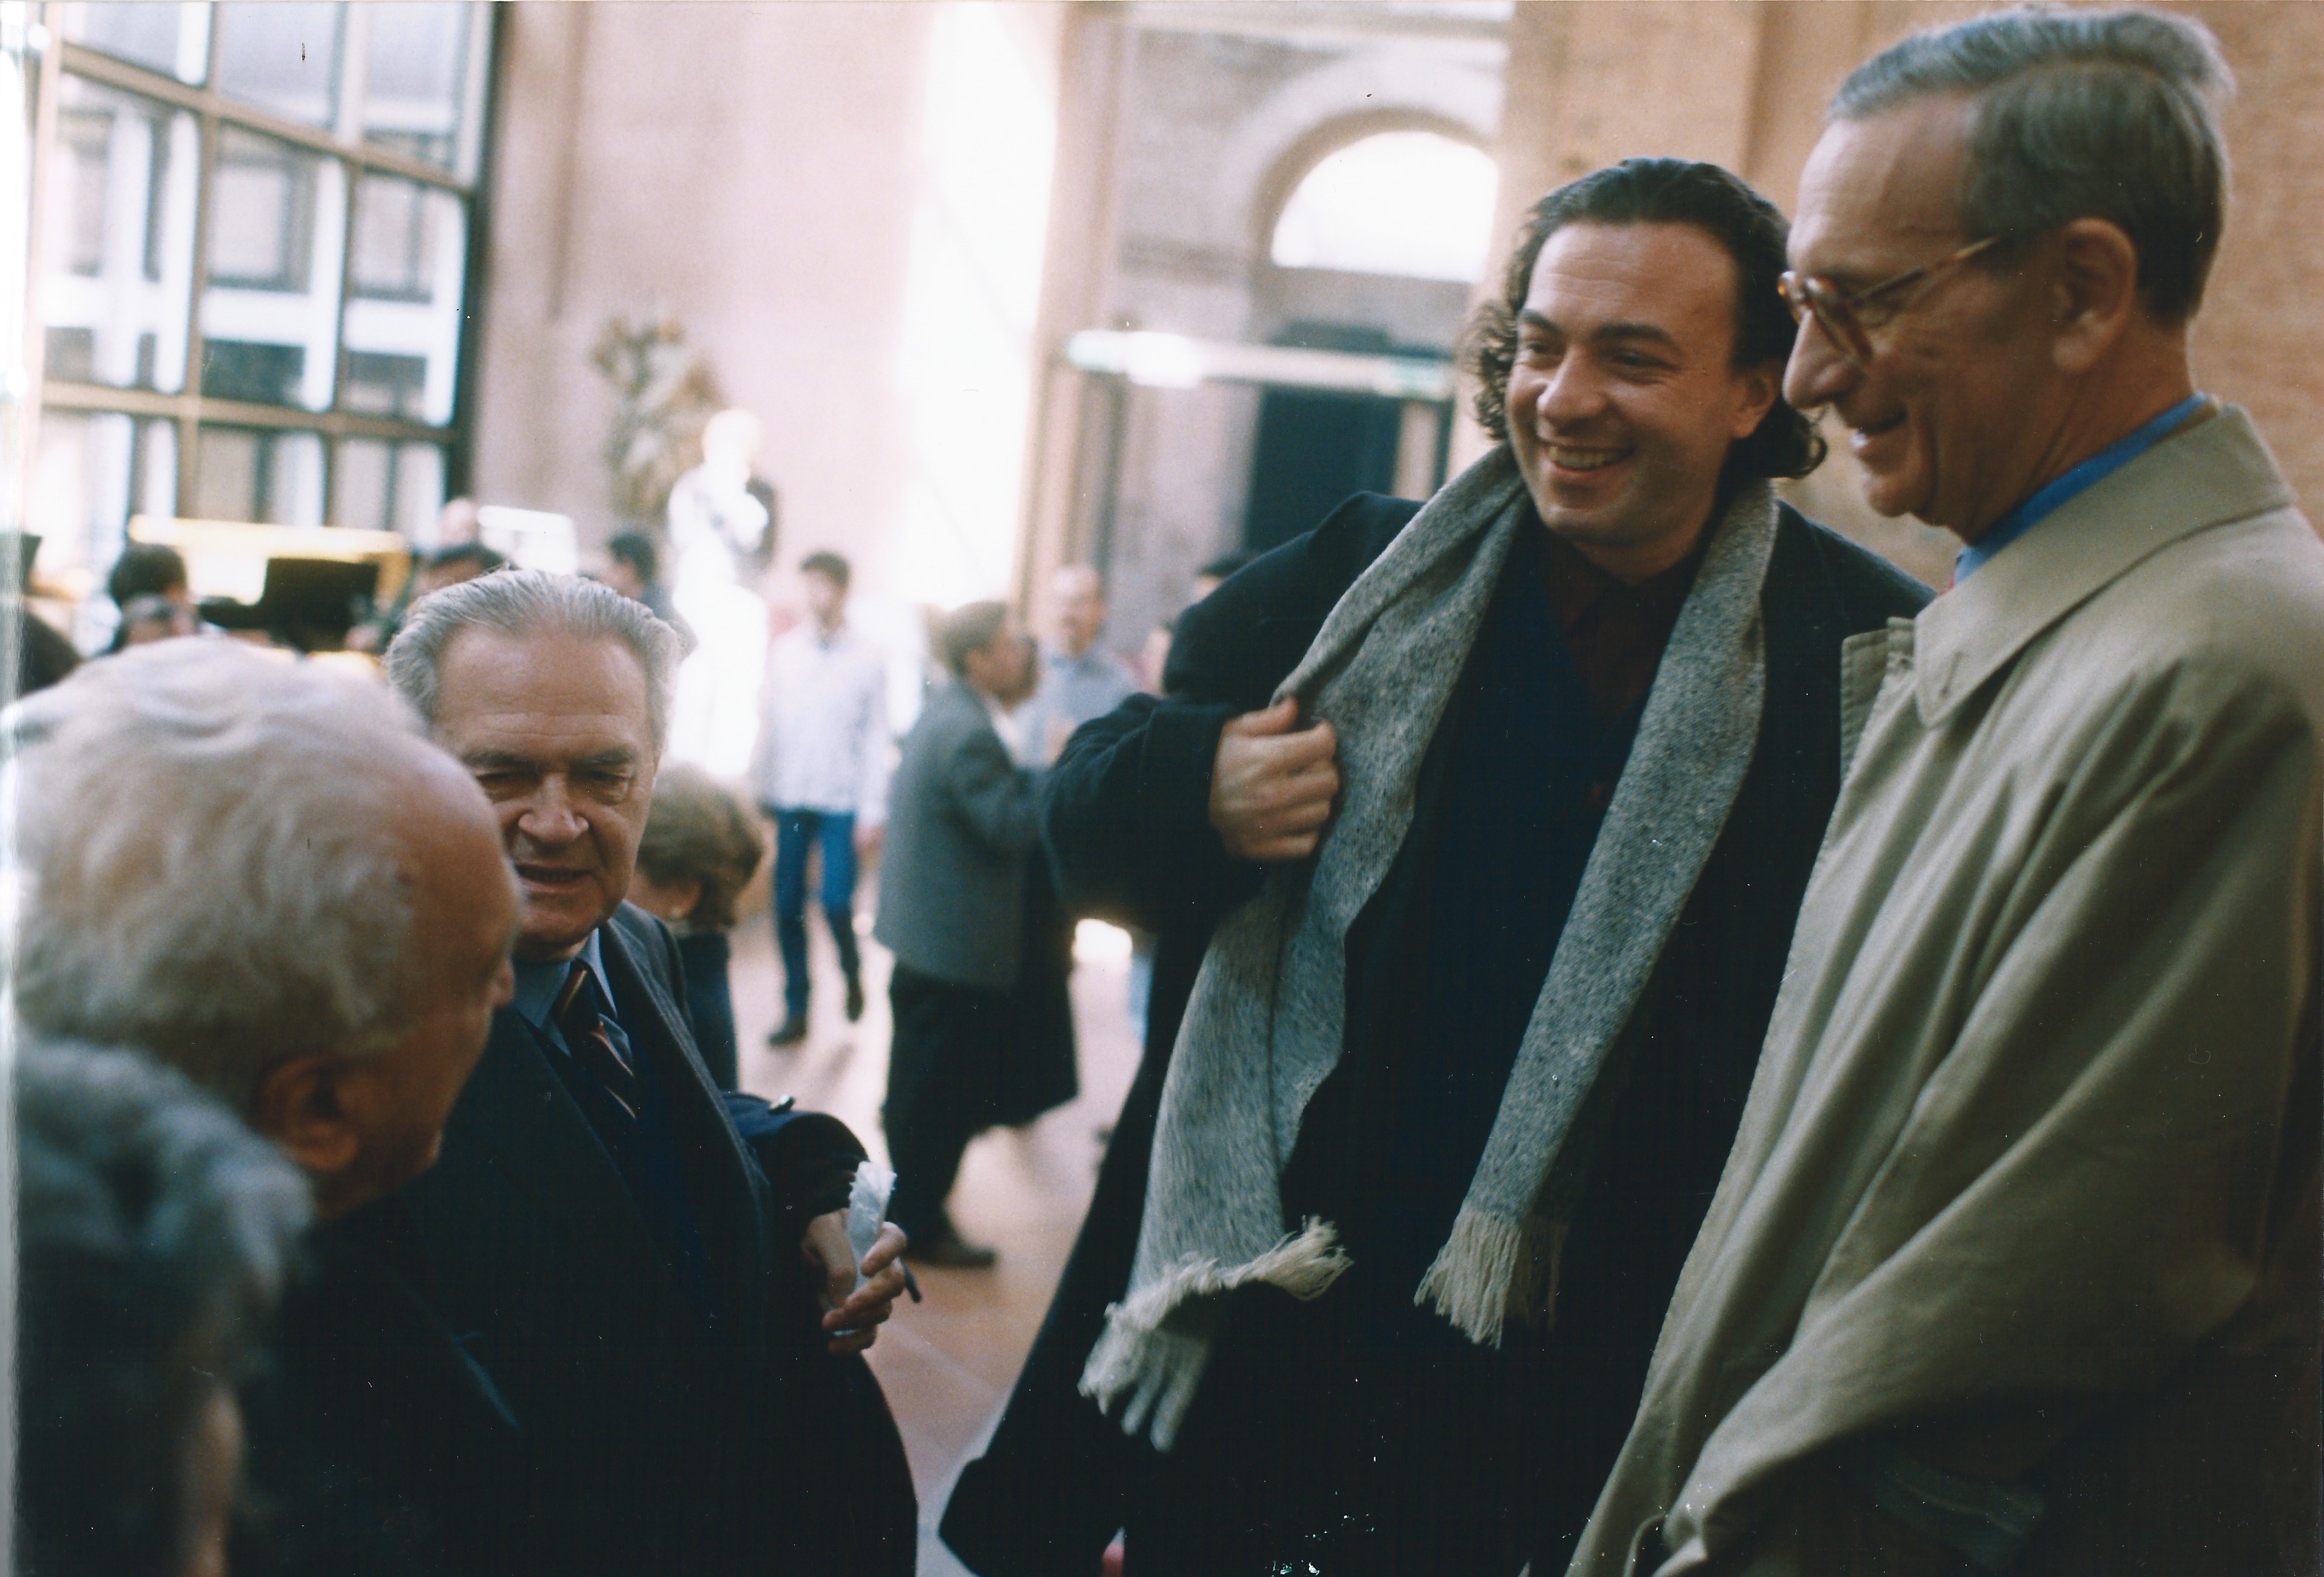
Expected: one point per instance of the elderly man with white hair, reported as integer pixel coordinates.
(264, 875)
(261, 874)
(627, 1264)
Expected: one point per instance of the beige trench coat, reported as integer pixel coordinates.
(2018, 1240)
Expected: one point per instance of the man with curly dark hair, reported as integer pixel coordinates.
(1486, 822)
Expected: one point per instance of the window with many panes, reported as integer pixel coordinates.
(253, 226)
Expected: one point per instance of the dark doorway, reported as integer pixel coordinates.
(1315, 447)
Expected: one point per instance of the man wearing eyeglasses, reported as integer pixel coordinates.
(2014, 1264)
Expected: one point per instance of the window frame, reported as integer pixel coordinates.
(346, 142)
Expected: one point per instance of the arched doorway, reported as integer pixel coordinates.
(1395, 206)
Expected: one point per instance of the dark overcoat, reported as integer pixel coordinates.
(646, 1440)
(1125, 817)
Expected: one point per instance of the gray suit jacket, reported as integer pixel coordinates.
(961, 824)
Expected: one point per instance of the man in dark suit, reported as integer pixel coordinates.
(952, 898)
(625, 1269)
(1379, 1423)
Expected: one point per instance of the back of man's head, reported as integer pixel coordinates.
(532, 601)
(2080, 113)
(216, 860)
(968, 630)
(154, 1233)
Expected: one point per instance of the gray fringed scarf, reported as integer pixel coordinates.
(1264, 1025)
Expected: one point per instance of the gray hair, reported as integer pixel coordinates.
(967, 629)
(216, 872)
(530, 602)
(154, 1232)
(2078, 113)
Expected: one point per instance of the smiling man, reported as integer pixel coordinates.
(629, 1270)
(2014, 1266)
(1492, 817)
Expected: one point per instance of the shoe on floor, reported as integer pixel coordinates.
(791, 1032)
(854, 998)
(948, 1251)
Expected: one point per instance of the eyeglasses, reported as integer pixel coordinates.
(1848, 317)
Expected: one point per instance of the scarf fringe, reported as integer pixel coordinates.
(1152, 1370)
(1490, 1267)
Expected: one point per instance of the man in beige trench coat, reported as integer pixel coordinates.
(2013, 1266)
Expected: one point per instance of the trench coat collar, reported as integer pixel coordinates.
(2215, 471)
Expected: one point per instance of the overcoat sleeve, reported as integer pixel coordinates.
(1126, 811)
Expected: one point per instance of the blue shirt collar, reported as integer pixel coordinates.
(2047, 500)
(538, 982)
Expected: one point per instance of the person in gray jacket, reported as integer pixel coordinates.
(952, 890)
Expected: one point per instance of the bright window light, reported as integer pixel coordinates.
(1409, 203)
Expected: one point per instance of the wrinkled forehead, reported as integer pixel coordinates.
(1877, 194)
(546, 685)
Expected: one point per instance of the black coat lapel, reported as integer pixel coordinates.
(517, 1115)
(724, 1181)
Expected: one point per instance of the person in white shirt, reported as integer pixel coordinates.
(823, 776)
(721, 527)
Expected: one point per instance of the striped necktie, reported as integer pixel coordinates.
(583, 1028)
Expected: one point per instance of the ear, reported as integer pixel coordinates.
(2094, 292)
(302, 1108)
(1756, 389)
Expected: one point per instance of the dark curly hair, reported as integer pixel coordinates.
(1663, 192)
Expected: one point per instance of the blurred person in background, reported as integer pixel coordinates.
(152, 1234)
(1076, 680)
(447, 565)
(452, 565)
(822, 775)
(149, 586)
(657, 1276)
(700, 849)
(723, 518)
(722, 529)
(634, 569)
(459, 522)
(952, 895)
(261, 874)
